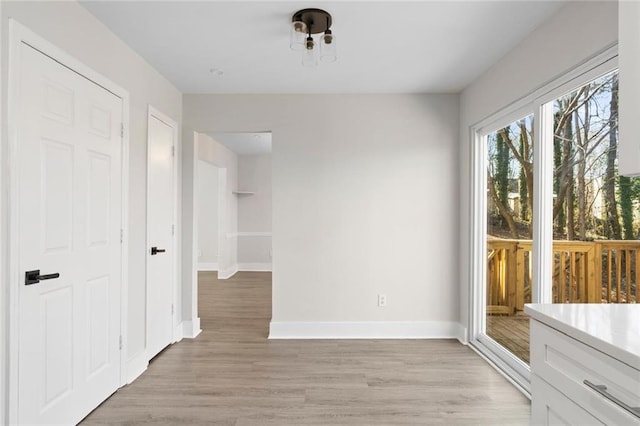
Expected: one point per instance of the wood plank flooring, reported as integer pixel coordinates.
(232, 375)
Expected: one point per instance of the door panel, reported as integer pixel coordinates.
(56, 337)
(98, 303)
(509, 224)
(160, 217)
(69, 203)
(99, 186)
(59, 103)
(57, 190)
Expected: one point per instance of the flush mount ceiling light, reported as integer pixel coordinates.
(305, 24)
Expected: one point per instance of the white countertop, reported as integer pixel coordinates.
(610, 328)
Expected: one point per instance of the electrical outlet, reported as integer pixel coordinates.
(382, 300)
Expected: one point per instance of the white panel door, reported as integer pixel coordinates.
(69, 200)
(160, 222)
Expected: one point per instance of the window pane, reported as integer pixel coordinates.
(596, 252)
(509, 230)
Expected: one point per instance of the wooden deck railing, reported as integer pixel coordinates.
(603, 271)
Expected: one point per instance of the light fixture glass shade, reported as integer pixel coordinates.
(298, 35)
(328, 47)
(310, 54)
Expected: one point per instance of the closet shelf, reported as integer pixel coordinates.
(243, 192)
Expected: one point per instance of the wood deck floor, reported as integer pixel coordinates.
(233, 375)
(511, 332)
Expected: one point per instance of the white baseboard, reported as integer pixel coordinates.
(254, 267)
(136, 365)
(207, 266)
(178, 333)
(228, 273)
(463, 334)
(191, 328)
(364, 330)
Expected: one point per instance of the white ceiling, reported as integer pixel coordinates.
(245, 143)
(383, 47)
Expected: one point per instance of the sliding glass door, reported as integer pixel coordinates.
(509, 215)
(553, 222)
(595, 213)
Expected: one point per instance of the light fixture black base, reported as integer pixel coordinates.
(317, 20)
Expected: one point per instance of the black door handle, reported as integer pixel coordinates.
(156, 250)
(34, 277)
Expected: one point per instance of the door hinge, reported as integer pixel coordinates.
(120, 342)
(173, 151)
(173, 230)
(121, 236)
(172, 311)
(122, 130)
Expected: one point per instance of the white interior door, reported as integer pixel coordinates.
(160, 233)
(68, 164)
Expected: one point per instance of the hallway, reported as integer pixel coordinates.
(232, 375)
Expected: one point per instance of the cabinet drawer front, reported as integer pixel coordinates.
(566, 363)
(550, 407)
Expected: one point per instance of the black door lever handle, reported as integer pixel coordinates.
(34, 277)
(156, 250)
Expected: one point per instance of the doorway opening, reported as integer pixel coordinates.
(232, 205)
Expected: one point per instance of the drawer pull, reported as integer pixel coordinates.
(602, 390)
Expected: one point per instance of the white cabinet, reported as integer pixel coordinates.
(578, 376)
(553, 408)
(629, 92)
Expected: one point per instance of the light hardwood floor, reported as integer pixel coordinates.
(232, 375)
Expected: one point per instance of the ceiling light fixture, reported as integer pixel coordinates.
(304, 24)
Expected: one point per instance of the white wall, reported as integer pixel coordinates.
(189, 303)
(208, 217)
(72, 28)
(365, 201)
(254, 212)
(578, 31)
(211, 151)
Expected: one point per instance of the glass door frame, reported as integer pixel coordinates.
(540, 104)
